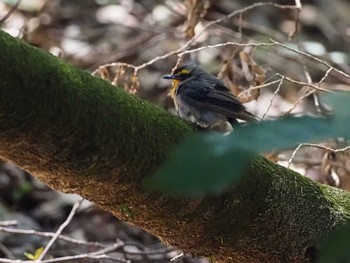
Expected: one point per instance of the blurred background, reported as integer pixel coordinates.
(131, 44)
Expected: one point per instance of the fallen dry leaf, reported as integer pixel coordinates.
(239, 74)
(197, 9)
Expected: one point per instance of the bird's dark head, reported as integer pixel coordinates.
(183, 72)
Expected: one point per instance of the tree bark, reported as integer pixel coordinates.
(80, 134)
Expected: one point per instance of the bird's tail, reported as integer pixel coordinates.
(245, 116)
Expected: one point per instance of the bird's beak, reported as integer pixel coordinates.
(170, 77)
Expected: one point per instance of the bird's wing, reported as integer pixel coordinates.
(215, 96)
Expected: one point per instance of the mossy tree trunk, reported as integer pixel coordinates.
(79, 134)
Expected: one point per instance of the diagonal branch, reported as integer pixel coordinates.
(80, 134)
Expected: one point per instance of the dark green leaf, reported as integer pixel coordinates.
(336, 247)
(340, 102)
(210, 163)
(282, 133)
(202, 165)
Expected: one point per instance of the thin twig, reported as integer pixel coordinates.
(259, 87)
(100, 254)
(311, 57)
(48, 235)
(234, 13)
(325, 75)
(309, 92)
(114, 64)
(9, 223)
(298, 4)
(297, 20)
(273, 97)
(228, 44)
(183, 50)
(328, 149)
(222, 19)
(176, 257)
(10, 12)
(6, 251)
(217, 21)
(304, 83)
(60, 229)
(293, 155)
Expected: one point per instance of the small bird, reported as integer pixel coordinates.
(204, 99)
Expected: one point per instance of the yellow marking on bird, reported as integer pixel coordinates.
(175, 84)
(183, 71)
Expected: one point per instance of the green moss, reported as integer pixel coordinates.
(126, 210)
(107, 125)
(339, 199)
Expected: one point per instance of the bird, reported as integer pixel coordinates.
(203, 99)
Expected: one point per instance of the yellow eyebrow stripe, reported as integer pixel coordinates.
(183, 71)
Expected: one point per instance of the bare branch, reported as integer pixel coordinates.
(100, 254)
(293, 155)
(322, 147)
(9, 223)
(312, 57)
(273, 97)
(304, 83)
(227, 44)
(298, 4)
(10, 12)
(234, 13)
(6, 251)
(309, 92)
(60, 229)
(297, 20)
(260, 86)
(49, 234)
(189, 42)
